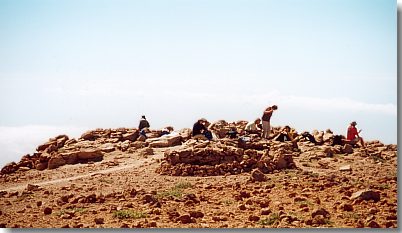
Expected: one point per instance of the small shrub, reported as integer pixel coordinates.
(176, 191)
(183, 185)
(228, 202)
(123, 214)
(273, 218)
(68, 210)
(106, 181)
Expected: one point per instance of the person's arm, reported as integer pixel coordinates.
(269, 111)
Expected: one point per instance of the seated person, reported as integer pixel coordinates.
(286, 134)
(200, 129)
(353, 136)
(253, 127)
(232, 133)
(167, 130)
(307, 136)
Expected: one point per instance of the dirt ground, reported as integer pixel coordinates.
(124, 191)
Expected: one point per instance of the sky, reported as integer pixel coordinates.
(68, 66)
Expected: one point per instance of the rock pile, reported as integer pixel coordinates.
(91, 146)
(224, 157)
(221, 127)
(219, 157)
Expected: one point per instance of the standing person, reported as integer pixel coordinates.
(266, 117)
(143, 123)
(353, 135)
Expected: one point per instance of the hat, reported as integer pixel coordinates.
(203, 119)
(353, 123)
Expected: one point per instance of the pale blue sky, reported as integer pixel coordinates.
(104, 63)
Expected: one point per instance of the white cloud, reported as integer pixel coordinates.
(217, 92)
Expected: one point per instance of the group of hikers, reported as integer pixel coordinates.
(262, 127)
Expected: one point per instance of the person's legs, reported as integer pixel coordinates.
(269, 129)
(362, 142)
(265, 126)
(208, 135)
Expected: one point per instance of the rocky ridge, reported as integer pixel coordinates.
(116, 178)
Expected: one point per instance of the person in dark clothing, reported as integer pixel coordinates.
(143, 123)
(232, 133)
(199, 128)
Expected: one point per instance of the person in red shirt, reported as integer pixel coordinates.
(353, 136)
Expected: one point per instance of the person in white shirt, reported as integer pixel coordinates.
(253, 127)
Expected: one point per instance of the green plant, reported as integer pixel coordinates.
(228, 202)
(273, 218)
(183, 185)
(306, 202)
(24, 196)
(106, 181)
(68, 210)
(378, 158)
(328, 222)
(122, 214)
(176, 191)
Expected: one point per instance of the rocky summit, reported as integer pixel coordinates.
(117, 178)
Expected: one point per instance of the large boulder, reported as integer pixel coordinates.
(55, 162)
(9, 168)
(90, 154)
(70, 157)
(347, 149)
(366, 194)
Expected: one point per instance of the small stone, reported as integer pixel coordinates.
(152, 224)
(66, 216)
(366, 194)
(47, 210)
(253, 218)
(345, 168)
(321, 211)
(242, 207)
(265, 211)
(185, 219)
(373, 224)
(99, 220)
(373, 210)
(347, 207)
(257, 175)
(196, 214)
(32, 187)
(347, 149)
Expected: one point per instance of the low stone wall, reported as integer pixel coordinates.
(222, 158)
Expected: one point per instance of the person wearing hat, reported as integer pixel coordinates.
(353, 136)
(143, 123)
(200, 129)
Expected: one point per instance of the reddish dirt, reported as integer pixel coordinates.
(123, 190)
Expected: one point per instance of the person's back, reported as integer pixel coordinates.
(352, 132)
(143, 123)
(251, 126)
